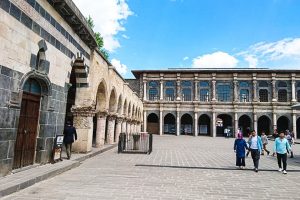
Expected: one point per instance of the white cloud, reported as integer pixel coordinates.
(217, 59)
(185, 58)
(121, 68)
(109, 17)
(252, 61)
(125, 36)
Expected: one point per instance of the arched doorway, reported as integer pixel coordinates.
(186, 124)
(25, 145)
(298, 128)
(264, 124)
(204, 125)
(245, 125)
(169, 124)
(224, 123)
(283, 124)
(153, 123)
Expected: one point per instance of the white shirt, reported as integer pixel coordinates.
(254, 143)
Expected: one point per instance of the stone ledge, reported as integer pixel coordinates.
(23, 179)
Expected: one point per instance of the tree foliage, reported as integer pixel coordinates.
(99, 38)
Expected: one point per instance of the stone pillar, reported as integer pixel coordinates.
(274, 121)
(274, 88)
(178, 98)
(255, 122)
(145, 121)
(196, 123)
(236, 124)
(254, 89)
(111, 129)
(145, 90)
(101, 127)
(160, 122)
(294, 116)
(128, 127)
(83, 122)
(196, 83)
(294, 91)
(214, 128)
(213, 90)
(118, 128)
(124, 126)
(161, 96)
(177, 123)
(235, 90)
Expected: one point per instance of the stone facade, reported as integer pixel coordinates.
(210, 101)
(49, 42)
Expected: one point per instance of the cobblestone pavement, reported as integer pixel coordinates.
(180, 167)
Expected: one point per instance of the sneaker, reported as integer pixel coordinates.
(280, 170)
(256, 170)
(284, 172)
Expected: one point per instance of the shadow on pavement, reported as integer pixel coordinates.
(212, 168)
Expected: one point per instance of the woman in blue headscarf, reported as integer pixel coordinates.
(240, 146)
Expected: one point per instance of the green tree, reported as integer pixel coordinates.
(99, 38)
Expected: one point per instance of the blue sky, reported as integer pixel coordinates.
(157, 34)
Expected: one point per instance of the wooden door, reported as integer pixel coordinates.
(27, 131)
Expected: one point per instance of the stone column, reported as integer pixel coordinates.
(254, 90)
(161, 96)
(235, 90)
(294, 91)
(274, 121)
(145, 121)
(196, 83)
(124, 126)
(274, 88)
(145, 90)
(118, 128)
(177, 123)
(294, 116)
(214, 128)
(196, 123)
(236, 124)
(101, 126)
(178, 98)
(160, 122)
(128, 126)
(83, 122)
(111, 129)
(213, 90)
(255, 122)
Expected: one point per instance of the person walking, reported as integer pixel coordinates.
(281, 148)
(290, 138)
(255, 145)
(69, 134)
(265, 142)
(240, 147)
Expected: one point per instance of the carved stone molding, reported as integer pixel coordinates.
(83, 111)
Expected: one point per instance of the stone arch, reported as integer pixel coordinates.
(81, 71)
(204, 125)
(101, 97)
(129, 110)
(120, 108)
(186, 124)
(227, 123)
(125, 108)
(169, 124)
(153, 123)
(264, 124)
(113, 101)
(283, 123)
(244, 124)
(133, 111)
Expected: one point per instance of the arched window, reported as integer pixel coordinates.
(263, 95)
(186, 90)
(204, 90)
(170, 90)
(244, 95)
(224, 92)
(153, 91)
(32, 86)
(282, 95)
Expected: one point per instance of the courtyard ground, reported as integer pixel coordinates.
(182, 167)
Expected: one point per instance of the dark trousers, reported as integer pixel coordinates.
(240, 161)
(283, 158)
(68, 150)
(265, 149)
(255, 154)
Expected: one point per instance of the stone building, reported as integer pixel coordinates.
(211, 101)
(51, 70)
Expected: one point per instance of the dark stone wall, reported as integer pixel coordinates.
(51, 122)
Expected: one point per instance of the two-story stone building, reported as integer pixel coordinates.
(207, 101)
(51, 70)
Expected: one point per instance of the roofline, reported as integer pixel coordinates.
(136, 73)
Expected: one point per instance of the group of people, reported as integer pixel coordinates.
(257, 145)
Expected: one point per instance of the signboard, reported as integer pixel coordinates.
(57, 148)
